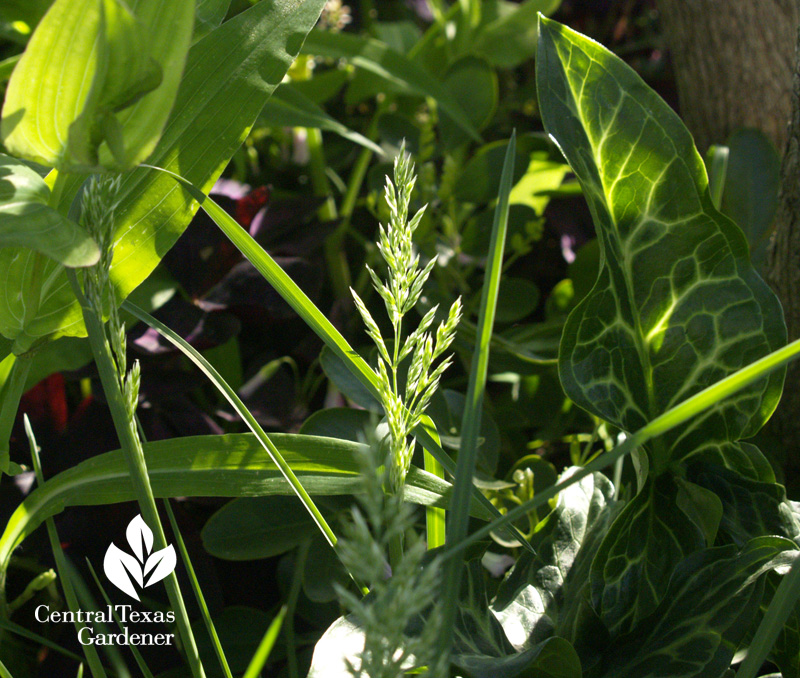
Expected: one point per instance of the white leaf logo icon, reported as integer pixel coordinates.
(146, 569)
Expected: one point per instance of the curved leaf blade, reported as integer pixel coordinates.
(677, 305)
(211, 466)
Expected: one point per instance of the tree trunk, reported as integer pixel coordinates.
(784, 275)
(733, 64)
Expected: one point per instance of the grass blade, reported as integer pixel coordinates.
(198, 593)
(781, 606)
(92, 658)
(291, 606)
(4, 672)
(679, 414)
(265, 646)
(211, 466)
(317, 321)
(435, 519)
(471, 420)
(208, 369)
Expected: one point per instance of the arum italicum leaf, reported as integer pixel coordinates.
(26, 220)
(97, 82)
(229, 75)
(677, 305)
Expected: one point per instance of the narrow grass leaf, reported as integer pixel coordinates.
(198, 592)
(471, 420)
(22, 632)
(265, 646)
(289, 107)
(90, 651)
(781, 606)
(234, 465)
(435, 518)
(231, 396)
(134, 650)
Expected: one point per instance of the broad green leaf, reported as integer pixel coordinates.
(228, 77)
(702, 506)
(510, 39)
(473, 84)
(344, 423)
(749, 508)
(394, 68)
(677, 305)
(710, 603)
(289, 107)
(27, 220)
(549, 592)
(257, 527)
(105, 102)
(210, 466)
(646, 542)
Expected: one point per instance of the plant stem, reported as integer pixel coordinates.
(132, 448)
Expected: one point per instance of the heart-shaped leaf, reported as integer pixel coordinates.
(677, 305)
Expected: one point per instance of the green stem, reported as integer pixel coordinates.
(134, 455)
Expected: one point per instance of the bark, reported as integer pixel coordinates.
(783, 273)
(733, 62)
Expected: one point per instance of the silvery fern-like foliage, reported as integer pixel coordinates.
(400, 293)
(98, 207)
(395, 603)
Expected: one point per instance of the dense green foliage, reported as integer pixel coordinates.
(655, 347)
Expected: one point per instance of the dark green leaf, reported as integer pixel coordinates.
(646, 542)
(473, 84)
(709, 605)
(257, 527)
(677, 305)
(395, 69)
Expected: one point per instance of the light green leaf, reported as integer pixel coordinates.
(548, 592)
(677, 305)
(289, 107)
(229, 76)
(711, 601)
(398, 71)
(104, 102)
(26, 220)
(210, 466)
